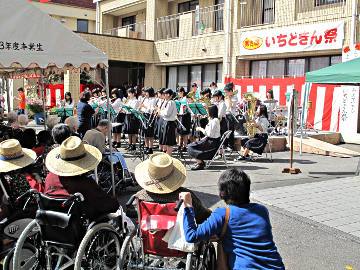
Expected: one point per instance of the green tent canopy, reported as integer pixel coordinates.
(343, 73)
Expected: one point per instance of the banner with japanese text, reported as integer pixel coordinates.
(311, 37)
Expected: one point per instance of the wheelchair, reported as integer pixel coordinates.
(122, 176)
(145, 249)
(61, 237)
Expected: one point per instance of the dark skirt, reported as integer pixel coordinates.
(223, 126)
(131, 125)
(168, 133)
(185, 120)
(256, 144)
(149, 131)
(205, 149)
(158, 127)
(120, 118)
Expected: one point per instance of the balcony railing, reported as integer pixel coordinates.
(196, 22)
(322, 9)
(208, 20)
(256, 12)
(136, 30)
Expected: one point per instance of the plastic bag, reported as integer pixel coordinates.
(175, 237)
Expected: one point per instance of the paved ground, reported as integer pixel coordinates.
(306, 241)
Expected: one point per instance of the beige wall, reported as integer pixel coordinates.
(72, 83)
(123, 49)
(69, 14)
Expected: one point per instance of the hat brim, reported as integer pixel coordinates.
(28, 158)
(172, 183)
(61, 167)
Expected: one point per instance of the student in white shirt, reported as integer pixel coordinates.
(132, 123)
(231, 111)
(148, 107)
(258, 143)
(169, 114)
(206, 148)
(183, 130)
(120, 117)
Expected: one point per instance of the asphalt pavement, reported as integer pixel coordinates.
(304, 243)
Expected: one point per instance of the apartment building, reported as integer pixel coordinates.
(77, 15)
(257, 44)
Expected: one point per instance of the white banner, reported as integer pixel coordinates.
(351, 52)
(349, 109)
(311, 37)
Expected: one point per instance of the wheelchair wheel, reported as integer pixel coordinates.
(99, 249)
(26, 254)
(129, 254)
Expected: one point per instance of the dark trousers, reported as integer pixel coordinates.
(230, 121)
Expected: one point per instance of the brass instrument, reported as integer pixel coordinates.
(250, 112)
(205, 100)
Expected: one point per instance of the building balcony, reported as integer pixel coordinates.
(136, 30)
(193, 23)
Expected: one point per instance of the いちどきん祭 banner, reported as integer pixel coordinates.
(311, 37)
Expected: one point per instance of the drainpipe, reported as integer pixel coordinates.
(97, 28)
(353, 22)
(228, 39)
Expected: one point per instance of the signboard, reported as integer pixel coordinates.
(351, 52)
(311, 37)
(349, 109)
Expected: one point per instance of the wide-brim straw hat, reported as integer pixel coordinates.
(160, 174)
(14, 157)
(72, 158)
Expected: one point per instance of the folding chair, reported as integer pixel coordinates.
(255, 156)
(220, 150)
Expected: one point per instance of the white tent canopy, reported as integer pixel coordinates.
(30, 38)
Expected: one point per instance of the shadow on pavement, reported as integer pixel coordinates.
(298, 161)
(334, 173)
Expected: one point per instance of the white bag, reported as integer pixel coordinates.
(175, 237)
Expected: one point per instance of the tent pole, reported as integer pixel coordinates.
(109, 129)
(7, 89)
(43, 95)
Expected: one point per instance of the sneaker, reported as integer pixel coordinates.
(218, 157)
(198, 167)
(133, 147)
(241, 158)
(150, 151)
(128, 147)
(229, 149)
(118, 145)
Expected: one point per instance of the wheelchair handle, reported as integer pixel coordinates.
(178, 205)
(73, 198)
(26, 195)
(130, 201)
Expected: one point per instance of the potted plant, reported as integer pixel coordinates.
(35, 106)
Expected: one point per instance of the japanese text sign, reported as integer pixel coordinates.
(311, 37)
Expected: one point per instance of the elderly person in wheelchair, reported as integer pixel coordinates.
(161, 178)
(76, 226)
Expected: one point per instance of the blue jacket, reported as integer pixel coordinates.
(248, 240)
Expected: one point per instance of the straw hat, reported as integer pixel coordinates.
(14, 157)
(72, 158)
(160, 174)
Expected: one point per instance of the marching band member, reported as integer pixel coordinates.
(148, 107)
(158, 119)
(169, 114)
(185, 120)
(206, 148)
(132, 124)
(258, 143)
(213, 87)
(120, 117)
(270, 103)
(194, 94)
(231, 111)
(218, 98)
(67, 101)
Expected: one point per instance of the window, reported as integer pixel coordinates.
(318, 63)
(327, 2)
(219, 15)
(195, 75)
(172, 78)
(129, 21)
(258, 69)
(187, 6)
(268, 11)
(296, 67)
(219, 72)
(82, 26)
(335, 60)
(183, 77)
(209, 74)
(276, 68)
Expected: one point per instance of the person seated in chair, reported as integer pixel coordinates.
(206, 148)
(97, 136)
(247, 238)
(69, 166)
(161, 178)
(258, 143)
